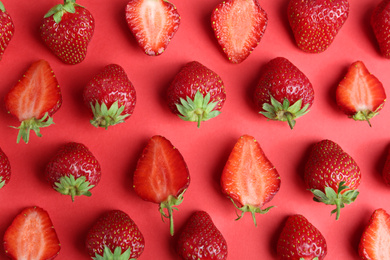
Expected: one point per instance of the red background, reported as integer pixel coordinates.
(206, 149)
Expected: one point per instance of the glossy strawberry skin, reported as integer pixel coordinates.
(5, 169)
(7, 29)
(380, 22)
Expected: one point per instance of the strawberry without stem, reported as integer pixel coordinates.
(380, 22)
(7, 29)
(5, 169)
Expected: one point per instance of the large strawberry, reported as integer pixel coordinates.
(5, 169)
(301, 240)
(332, 175)
(380, 22)
(375, 241)
(7, 29)
(115, 236)
(360, 94)
(249, 179)
(67, 30)
(196, 94)
(239, 26)
(73, 170)
(34, 99)
(161, 176)
(111, 96)
(283, 93)
(31, 236)
(153, 24)
(201, 239)
(315, 23)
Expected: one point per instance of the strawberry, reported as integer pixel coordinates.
(161, 176)
(374, 243)
(111, 96)
(239, 26)
(115, 236)
(360, 94)
(301, 240)
(7, 29)
(31, 236)
(67, 30)
(73, 170)
(332, 175)
(249, 179)
(34, 99)
(386, 169)
(315, 23)
(201, 239)
(283, 93)
(380, 22)
(153, 24)
(196, 93)
(5, 169)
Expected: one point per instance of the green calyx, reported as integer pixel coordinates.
(33, 124)
(104, 117)
(59, 10)
(2, 183)
(197, 110)
(364, 115)
(284, 112)
(170, 204)
(68, 185)
(116, 255)
(315, 258)
(2, 8)
(252, 209)
(330, 197)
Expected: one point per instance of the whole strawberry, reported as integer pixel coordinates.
(386, 169)
(111, 96)
(283, 93)
(332, 175)
(239, 26)
(196, 94)
(115, 236)
(73, 170)
(5, 169)
(67, 30)
(201, 239)
(7, 29)
(301, 240)
(315, 23)
(380, 22)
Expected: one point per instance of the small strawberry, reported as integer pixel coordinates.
(249, 179)
(153, 24)
(161, 176)
(301, 240)
(196, 94)
(115, 236)
(31, 236)
(5, 169)
(360, 94)
(380, 22)
(34, 99)
(201, 239)
(7, 29)
(375, 241)
(73, 170)
(332, 175)
(315, 23)
(111, 96)
(67, 30)
(239, 26)
(283, 93)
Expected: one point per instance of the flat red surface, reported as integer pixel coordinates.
(206, 149)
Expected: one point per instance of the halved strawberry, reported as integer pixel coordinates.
(34, 99)
(360, 94)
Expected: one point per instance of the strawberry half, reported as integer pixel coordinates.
(5, 169)
(34, 99)
(7, 29)
(375, 241)
(249, 179)
(153, 24)
(380, 22)
(161, 176)
(360, 94)
(239, 26)
(31, 236)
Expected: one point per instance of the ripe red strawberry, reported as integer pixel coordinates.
(73, 170)
(161, 176)
(196, 94)
(386, 169)
(153, 24)
(67, 30)
(115, 236)
(249, 179)
(374, 243)
(315, 23)
(332, 175)
(5, 169)
(380, 22)
(201, 239)
(239, 26)
(360, 94)
(111, 96)
(7, 29)
(31, 236)
(34, 99)
(301, 240)
(283, 93)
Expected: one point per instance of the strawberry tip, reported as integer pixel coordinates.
(32, 124)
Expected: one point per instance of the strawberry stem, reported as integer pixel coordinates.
(252, 209)
(169, 205)
(32, 124)
(69, 185)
